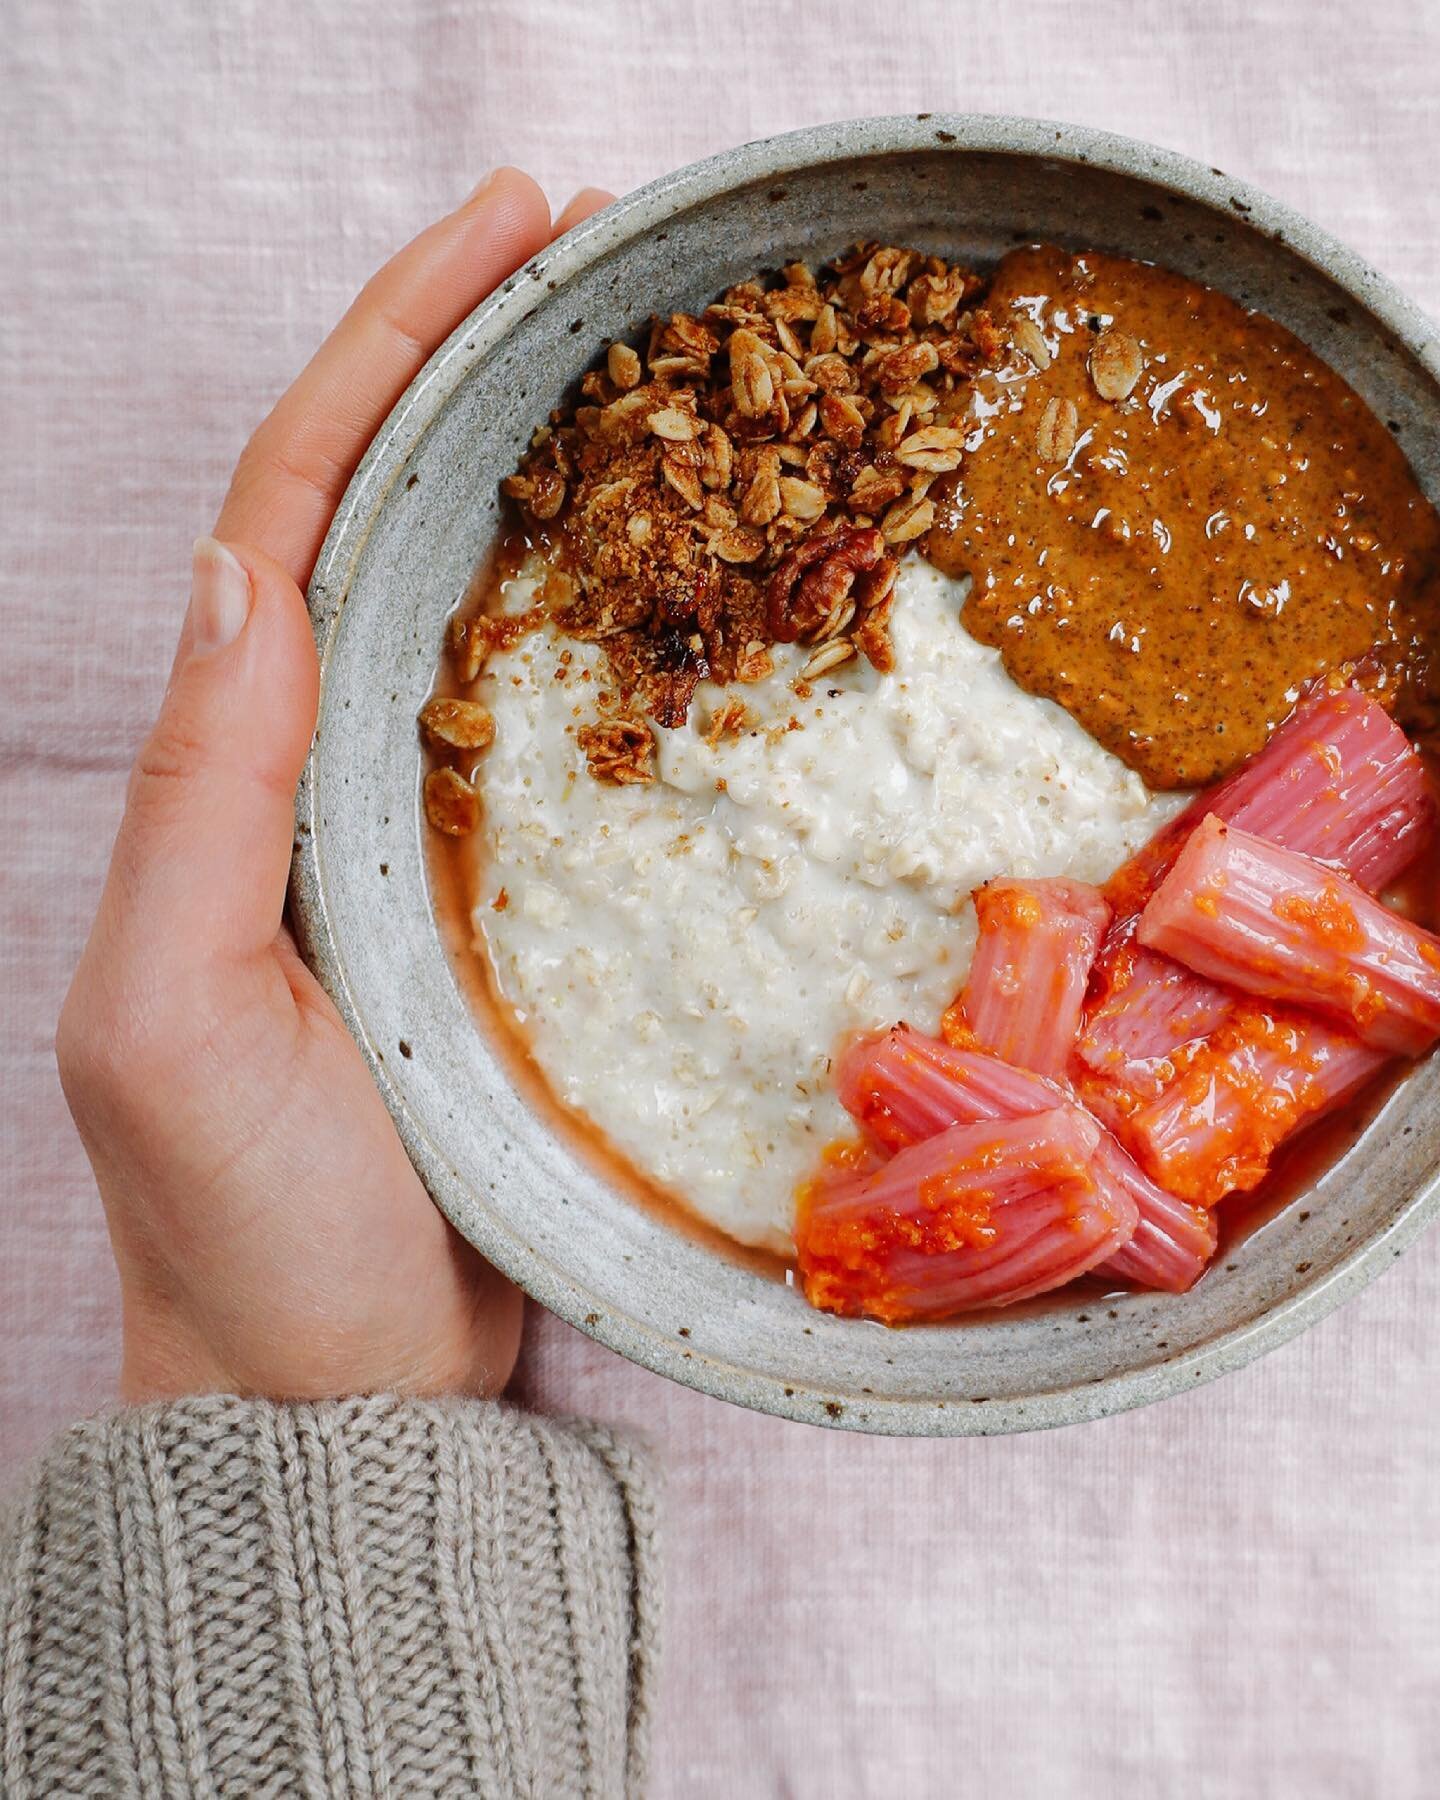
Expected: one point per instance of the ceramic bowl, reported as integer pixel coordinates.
(417, 521)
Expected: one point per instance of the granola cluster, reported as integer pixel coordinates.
(752, 479)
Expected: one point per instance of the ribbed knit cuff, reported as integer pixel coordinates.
(222, 1596)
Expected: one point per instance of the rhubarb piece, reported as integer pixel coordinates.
(1148, 1006)
(1236, 1096)
(1274, 923)
(902, 1087)
(1173, 1240)
(979, 1215)
(1027, 980)
(1339, 781)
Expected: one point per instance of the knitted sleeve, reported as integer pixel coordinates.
(223, 1596)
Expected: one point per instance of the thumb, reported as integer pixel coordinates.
(203, 853)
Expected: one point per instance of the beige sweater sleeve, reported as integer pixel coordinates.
(363, 1597)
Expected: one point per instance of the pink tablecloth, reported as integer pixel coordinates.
(1232, 1594)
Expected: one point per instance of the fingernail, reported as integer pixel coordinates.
(219, 598)
(479, 188)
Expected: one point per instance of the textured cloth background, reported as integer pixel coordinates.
(1232, 1594)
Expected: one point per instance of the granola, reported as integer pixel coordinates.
(752, 478)
(451, 803)
(458, 724)
(621, 751)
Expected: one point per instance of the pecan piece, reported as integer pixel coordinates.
(876, 585)
(811, 586)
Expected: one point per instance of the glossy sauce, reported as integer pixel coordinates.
(1240, 523)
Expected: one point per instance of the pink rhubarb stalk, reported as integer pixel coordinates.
(1282, 926)
(1338, 781)
(1027, 980)
(1174, 1240)
(980, 1215)
(902, 1087)
(1238, 1094)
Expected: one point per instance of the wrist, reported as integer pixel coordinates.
(168, 1354)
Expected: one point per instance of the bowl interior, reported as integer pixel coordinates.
(420, 518)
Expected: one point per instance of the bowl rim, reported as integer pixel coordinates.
(646, 208)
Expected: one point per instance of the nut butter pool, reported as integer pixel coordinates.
(1177, 515)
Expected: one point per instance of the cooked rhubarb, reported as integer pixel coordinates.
(1173, 1241)
(902, 1087)
(1030, 969)
(1282, 926)
(1338, 781)
(1237, 1095)
(1146, 1005)
(1247, 983)
(979, 1215)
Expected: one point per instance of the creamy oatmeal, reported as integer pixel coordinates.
(685, 955)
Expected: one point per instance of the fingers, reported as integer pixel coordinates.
(203, 853)
(296, 467)
(588, 200)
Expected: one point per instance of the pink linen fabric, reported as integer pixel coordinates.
(1234, 1594)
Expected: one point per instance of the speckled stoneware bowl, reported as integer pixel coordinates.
(417, 520)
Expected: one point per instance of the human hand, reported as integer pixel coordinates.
(271, 1235)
